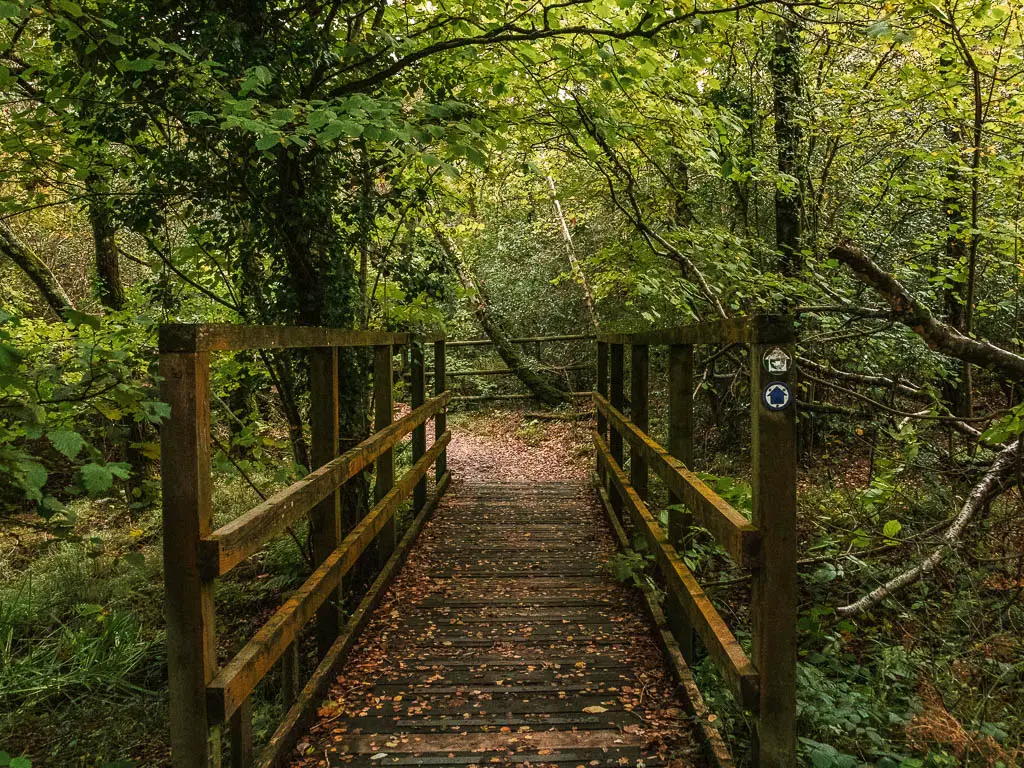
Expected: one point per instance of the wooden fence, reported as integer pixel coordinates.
(764, 684)
(203, 695)
(537, 343)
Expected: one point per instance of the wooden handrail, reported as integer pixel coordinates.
(523, 340)
(232, 543)
(237, 679)
(765, 329)
(226, 337)
(509, 371)
(722, 645)
(195, 554)
(737, 535)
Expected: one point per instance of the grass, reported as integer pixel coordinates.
(81, 634)
(82, 664)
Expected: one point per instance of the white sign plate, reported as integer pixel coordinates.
(776, 360)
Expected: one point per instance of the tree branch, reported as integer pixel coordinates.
(915, 315)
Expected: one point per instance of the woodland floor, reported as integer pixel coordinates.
(504, 639)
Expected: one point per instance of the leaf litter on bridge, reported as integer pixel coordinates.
(503, 639)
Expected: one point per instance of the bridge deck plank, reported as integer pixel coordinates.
(505, 641)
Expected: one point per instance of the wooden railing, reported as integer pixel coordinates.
(764, 684)
(204, 696)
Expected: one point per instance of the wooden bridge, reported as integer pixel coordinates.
(489, 631)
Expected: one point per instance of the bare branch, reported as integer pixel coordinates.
(997, 479)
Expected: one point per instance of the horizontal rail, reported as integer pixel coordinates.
(232, 543)
(720, 642)
(209, 337)
(524, 340)
(693, 700)
(518, 396)
(737, 535)
(237, 679)
(509, 371)
(763, 329)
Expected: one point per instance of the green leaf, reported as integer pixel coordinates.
(267, 141)
(96, 478)
(21, 762)
(33, 478)
(66, 441)
(77, 319)
(10, 357)
(136, 65)
(823, 756)
(135, 559)
(9, 11)
(74, 10)
(892, 529)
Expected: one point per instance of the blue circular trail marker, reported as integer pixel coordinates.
(776, 396)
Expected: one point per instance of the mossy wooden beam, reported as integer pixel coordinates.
(230, 544)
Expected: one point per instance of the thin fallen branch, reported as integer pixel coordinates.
(1000, 476)
(902, 388)
(818, 406)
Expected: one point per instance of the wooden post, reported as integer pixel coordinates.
(419, 434)
(639, 370)
(383, 414)
(602, 385)
(187, 517)
(441, 420)
(240, 726)
(616, 398)
(325, 517)
(680, 426)
(680, 445)
(774, 589)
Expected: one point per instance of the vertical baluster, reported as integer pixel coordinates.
(441, 420)
(616, 384)
(384, 408)
(291, 679)
(680, 445)
(639, 360)
(325, 517)
(602, 385)
(419, 434)
(240, 727)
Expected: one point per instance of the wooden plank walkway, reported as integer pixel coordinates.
(505, 641)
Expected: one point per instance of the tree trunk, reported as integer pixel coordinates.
(36, 271)
(956, 392)
(542, 388)
(574, 264)
(915, 315)
(325, 288)
(786, 91)
(109, 289)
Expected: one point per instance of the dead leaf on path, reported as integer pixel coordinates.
(594, 710)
